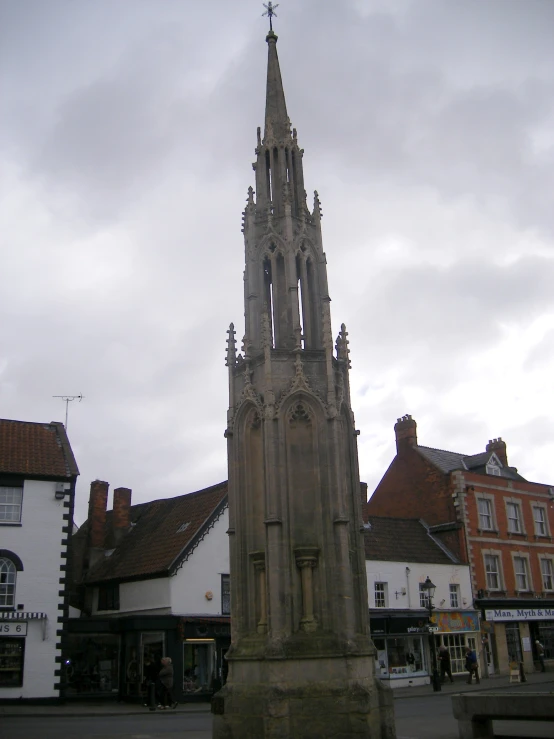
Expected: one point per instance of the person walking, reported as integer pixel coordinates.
(471, 665)
(445, 665)
(540, 654)
(166, 679)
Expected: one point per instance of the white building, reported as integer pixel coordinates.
(151, 580)
(37, 488)
(400, 555)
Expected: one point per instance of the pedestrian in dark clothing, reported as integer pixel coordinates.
(540, 655)
(150, 677)
(166, 679)
(445, 665)
(471, 665)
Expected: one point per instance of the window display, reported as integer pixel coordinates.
(400, 656)
(91, 664)
(12, 652)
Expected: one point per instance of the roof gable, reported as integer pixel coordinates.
(159, 541)
(36, 450)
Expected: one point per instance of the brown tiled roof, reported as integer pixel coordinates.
(164, 532)
(35, 450)
(402, 540)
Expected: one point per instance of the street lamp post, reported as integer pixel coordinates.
(435, 678)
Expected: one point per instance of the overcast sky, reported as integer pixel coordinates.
(127, 134)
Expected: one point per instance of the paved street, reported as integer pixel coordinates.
(157, 725)
(420, 714)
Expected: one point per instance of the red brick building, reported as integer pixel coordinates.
(492, 518)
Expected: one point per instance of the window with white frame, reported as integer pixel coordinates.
(493, 469)
(454, 596)
(10, 504)
(539, 517)
(486, 519)
(492, 571)
(380, 595)
(513, 512)
(8, 576)
(521, 573)
(547, 574)
(423, 596)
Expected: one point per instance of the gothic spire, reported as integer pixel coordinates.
(277, 123)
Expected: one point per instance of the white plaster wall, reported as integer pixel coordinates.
(38, 544)
(146, 596)
(201, 573)
(394, 574)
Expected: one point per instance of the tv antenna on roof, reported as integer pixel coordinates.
(67, 400)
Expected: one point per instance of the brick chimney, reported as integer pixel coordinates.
(97, 504)
(499, 448)
(121, 508)
(405, 429)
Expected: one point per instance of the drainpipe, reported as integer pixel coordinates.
(408, 587)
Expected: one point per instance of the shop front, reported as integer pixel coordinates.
(457, 630)
(400, 641)
(22, 635)
(117, 657)
(515, 627)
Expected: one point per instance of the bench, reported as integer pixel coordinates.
(476, 711)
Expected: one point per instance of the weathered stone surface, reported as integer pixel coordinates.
(301, 662)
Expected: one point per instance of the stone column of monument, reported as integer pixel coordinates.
(301, 662)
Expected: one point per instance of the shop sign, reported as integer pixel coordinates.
(519, 614)
(408, 626)
(13, 628)
(453, 621)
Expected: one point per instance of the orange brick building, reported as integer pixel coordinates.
(492, 518)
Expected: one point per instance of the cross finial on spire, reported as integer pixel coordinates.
(270, 12)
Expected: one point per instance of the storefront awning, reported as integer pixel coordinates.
(22, 615)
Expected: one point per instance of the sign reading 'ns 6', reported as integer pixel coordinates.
(13, 628)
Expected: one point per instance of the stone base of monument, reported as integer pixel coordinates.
(329, 697)
(476, 711)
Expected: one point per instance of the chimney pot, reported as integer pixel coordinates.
(405, 430)
(499, 448)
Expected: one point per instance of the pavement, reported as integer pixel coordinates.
(544, 682)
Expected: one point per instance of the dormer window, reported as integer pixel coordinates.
(493, 466)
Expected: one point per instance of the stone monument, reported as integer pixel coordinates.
(301, 662)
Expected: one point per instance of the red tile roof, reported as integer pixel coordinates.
(35, 450)
(163, 533)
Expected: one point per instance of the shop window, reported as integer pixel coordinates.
(380, 595)
(12, 653)
(513, 513)
(547, 574)
(91, 663)
(108, 597)
(545, 634)
(199, 665)
(225, 595)
(521, 573)
(539, 517)
(486, 517)
(454, 596)
(492, 571)
(405, 655)
(456, 644)
(513, 642)
(8, 576)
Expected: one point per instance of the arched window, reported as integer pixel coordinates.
(8, 575)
